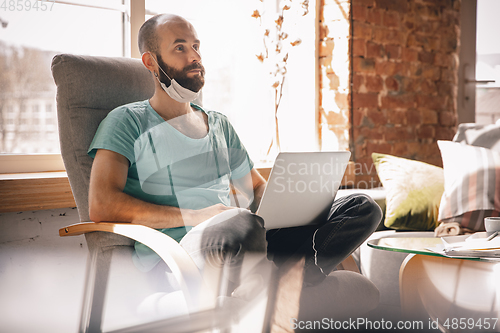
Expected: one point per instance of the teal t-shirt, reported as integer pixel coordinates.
(167, 167)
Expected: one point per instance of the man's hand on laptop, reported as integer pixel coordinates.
(200, 215)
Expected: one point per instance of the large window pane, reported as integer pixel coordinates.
(488, 62)
(240, 86)
(29, 38)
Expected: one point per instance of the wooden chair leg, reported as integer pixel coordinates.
(95, 290)
(286, 302)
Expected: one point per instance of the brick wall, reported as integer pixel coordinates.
(403, 67)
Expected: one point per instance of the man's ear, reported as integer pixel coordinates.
(148, 61)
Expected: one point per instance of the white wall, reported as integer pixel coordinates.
(41, 274)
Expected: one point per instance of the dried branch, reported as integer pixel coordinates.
(276, 45)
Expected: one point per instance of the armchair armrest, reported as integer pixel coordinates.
(180, 263)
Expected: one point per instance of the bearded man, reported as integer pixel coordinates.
(168, 164)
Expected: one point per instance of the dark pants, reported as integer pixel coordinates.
(352, 219)
(231, 235)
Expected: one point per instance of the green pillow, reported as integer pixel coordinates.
(413, 192)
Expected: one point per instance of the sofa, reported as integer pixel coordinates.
(417, 198)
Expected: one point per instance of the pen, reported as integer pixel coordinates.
(493, 235)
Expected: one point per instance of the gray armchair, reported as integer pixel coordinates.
(87, 89)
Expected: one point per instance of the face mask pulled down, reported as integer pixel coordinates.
(175, 90)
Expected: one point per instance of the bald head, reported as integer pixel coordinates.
(149, 38)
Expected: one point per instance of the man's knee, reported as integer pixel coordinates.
(358, 206)
(370, 208)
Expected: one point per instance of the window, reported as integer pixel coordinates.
(487, 62)
(29, 39)
(237, 84)
(479, 66)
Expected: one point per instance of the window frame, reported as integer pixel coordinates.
(30, 163)
(466, 97)
(133, 17)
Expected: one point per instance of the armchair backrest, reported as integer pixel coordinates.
(88, 88)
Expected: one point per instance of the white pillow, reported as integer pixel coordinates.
(471, 184)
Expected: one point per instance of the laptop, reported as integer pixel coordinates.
(301, 188)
